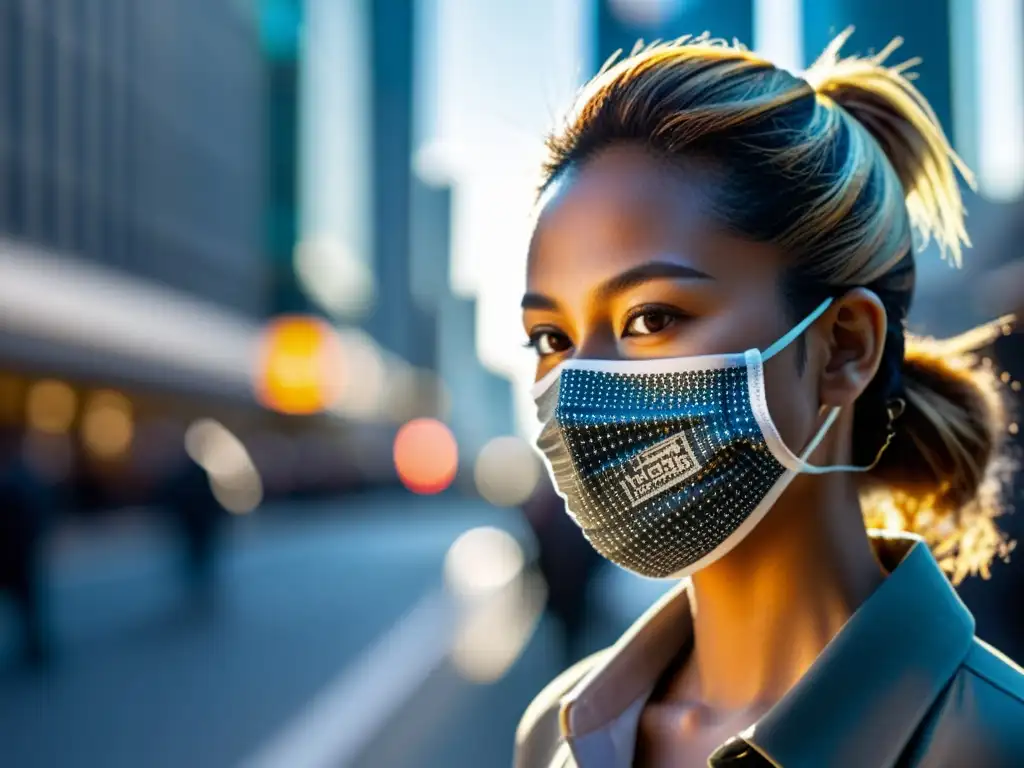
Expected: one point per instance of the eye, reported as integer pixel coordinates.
(549, 342)
(646, 321)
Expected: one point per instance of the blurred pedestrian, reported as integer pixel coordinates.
(25, 514)
(568, 564)
(198, 519)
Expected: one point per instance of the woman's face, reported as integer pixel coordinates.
(626, 262)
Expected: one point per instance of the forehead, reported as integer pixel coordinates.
(625, 207)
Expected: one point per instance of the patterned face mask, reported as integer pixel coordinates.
(667, 464)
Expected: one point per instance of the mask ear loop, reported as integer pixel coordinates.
(795, 332)
(894, 408)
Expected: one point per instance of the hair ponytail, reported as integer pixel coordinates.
(938, 477)
(883, 101)
(942, 474)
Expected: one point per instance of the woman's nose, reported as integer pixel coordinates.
(599, 345)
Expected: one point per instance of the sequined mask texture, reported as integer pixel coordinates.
(658, 469)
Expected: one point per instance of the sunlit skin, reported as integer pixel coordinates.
(627, 261)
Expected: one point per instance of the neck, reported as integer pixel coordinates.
(763, 613)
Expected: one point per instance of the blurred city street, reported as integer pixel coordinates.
(142, 675)
(269, 493)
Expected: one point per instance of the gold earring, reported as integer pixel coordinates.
(895, 408)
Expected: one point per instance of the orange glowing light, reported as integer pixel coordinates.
(426, 456)
(300, 364)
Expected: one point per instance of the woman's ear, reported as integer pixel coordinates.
(854, 331)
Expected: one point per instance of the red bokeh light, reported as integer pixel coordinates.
(426, 456)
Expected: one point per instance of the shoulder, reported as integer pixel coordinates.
(998, 674)
(979, 719)
(539, 733)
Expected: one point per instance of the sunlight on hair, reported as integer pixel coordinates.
(960, 552)
(965, 540)
(887, 106)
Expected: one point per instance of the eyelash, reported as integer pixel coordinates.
(534, 341)
(647, 309)
(653, 309)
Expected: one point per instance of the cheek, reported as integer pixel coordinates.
(792, 398)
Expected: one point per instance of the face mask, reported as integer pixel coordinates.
(667, 464)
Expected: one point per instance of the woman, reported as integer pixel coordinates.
(699, 204)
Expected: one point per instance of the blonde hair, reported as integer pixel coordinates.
(846, 170)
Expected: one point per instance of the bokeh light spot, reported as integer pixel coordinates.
(107, 426)
(644, 13)
(50, 407)
(300, 365)
(506, 471)
(426, 456)
(234, 478)
(482, 560)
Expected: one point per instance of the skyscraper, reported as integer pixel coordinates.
(132, 187)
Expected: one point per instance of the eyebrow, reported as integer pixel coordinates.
(539, 301)
(644, 273)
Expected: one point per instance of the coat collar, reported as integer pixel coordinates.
(858, 704)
